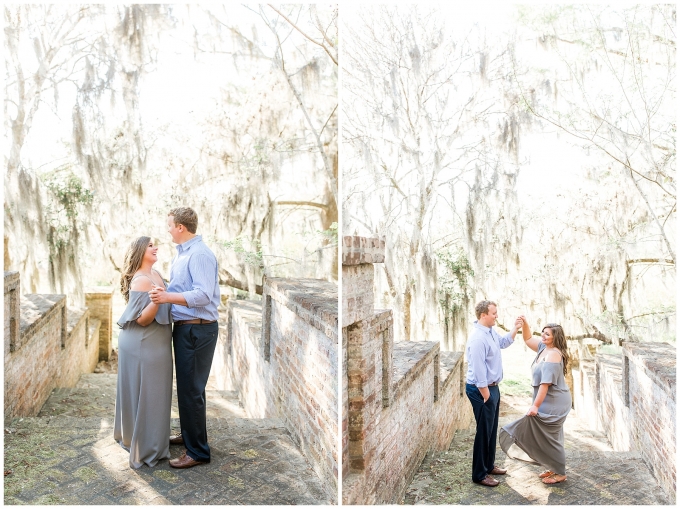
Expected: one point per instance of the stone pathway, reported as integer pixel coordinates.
(596, 474)
(67, 455)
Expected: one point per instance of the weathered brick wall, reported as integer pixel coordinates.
(53, 346)
(631, 398)
(393, 421)
(81, 350)
(613, 414)
(358, 256)
(99, 300)
(453, 410)
(344, 423)
(401, 399)
(651, 394)
(289, 367)
(11, 305)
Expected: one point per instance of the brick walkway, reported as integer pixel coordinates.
(595, 473)
(67, 455)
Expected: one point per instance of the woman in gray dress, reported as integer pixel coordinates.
(144, 389)
(540, 432)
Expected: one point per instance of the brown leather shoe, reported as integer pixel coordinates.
(185, 461)
(488, 481)
(176, 439)
(498, 471)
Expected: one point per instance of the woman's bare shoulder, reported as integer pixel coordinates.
(141, 284)
(553, 356)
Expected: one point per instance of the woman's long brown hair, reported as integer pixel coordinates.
(133, 261)
(559, 342)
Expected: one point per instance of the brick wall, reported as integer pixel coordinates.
(288, 368)
(99, 300)
(631, 398)
(53, 345)
(400, 400)
(649, 369)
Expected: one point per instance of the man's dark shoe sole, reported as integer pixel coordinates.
(488, 481)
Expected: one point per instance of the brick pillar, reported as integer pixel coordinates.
(99, 300)
(369, 337)
(364, 378)
(12, 312)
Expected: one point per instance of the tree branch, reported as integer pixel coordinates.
(304, 34)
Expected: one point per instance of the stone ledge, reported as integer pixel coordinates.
(357, 250)
(11, 280)
(352, 489)
(449, 363)
(613, 366)
(35, 311)
(658, 360)
(93, 333)
(74, 316)
(99, 291)
(313, 300)
(410, 358)
(250, 313)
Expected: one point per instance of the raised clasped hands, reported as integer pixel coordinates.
(157, 295)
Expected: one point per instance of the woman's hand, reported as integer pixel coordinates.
(157, 295)
(533, 410)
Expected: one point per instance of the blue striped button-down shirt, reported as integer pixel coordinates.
(194, 275)
(483, 352)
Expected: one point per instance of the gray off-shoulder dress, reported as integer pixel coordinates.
(541, 436)
(144, 389)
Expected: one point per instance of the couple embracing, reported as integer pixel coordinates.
(537, 437)
(158, 317)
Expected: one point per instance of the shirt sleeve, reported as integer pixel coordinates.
(477, 359)
(506, 341)
(202, 270)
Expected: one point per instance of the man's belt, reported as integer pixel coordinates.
(194, 321)
(495, 383)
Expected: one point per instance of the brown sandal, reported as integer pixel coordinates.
(545, 474)
(551, 479)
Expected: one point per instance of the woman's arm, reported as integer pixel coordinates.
(148, 315)
(529, 340)
(540, 396)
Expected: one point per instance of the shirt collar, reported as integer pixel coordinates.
(186, 245)
(482, 327)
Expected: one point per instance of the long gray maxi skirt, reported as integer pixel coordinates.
(540, 438)
(144, 389)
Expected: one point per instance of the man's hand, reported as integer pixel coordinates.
(516, 327)
(533, 410)
(158, 295)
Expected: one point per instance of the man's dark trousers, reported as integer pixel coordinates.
(194, 346)
(486, 415)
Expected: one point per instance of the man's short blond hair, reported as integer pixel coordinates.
(185, 216)
(482, 307)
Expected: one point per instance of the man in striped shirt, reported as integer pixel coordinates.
(485, 371)
(194, 293)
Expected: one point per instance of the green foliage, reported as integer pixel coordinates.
(248, 248)
(453, 281)
(68, 198)
(331, 235)
(516, 386)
